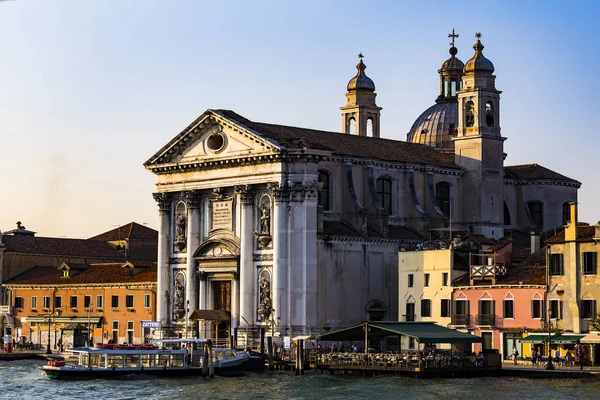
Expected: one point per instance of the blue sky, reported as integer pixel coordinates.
(89, 90)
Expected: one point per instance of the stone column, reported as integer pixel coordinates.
(235, 308)
(163, 268)
(202, 300)
(310, 245)
(279, 283)
(192, 199)
(246, 293)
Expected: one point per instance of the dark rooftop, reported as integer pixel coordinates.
(60, 247)
(534, 172)
(131, 231)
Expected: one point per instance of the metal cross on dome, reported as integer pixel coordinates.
(453, 36)
(478, 35)
(360, 55)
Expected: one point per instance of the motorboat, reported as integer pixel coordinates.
(167, 357)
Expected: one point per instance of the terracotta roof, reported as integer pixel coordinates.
(537, 258)
(60, 247)
(534, 172)
(344, 144)
(95, 274)
(584, 234)
(131, 231)
(481, 239)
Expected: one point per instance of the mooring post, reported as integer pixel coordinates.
(270, 352)
(301, 351)
(205, 360)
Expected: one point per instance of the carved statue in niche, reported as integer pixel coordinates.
(470, 114)
(180, 241)
(178, 304)
(265, 220)
(265, 297)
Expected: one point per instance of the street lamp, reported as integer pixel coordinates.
(549, 366)
(48, 350)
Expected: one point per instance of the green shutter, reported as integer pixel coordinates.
(561, 264)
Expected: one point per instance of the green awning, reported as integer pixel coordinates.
(424, 332)
(537, 338)
(564, 338)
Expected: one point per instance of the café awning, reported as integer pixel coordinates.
(558, 338)
(9, 321)
(424, 332)
(592, 337)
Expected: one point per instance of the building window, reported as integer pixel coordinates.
(410, 312)
(556, 264)
(115, 325)
(19, 303)
(506, 214)
(114, 302)
(427, 280)
(508, 309)
(58, 302)
(33, 302)
(115, 332)
(537, 309)
(129, 301)
(445, 308)
(46, 302)
(425, 308)
(99, 301)
(444, 278)
(442, 197)
(87, 301)
(411, 342)
(384, 193)
(73, 301)
(590, 263)
(146, 301)
(589, 309)
(566, 213)
(411, 280)
(489, 114)
(556, 309)
(469, 114)
(324, 192)
(536, 209)
(370, 127)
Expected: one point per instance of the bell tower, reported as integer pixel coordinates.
(479, 148)
(360, 115)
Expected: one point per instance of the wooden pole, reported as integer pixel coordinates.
(301, 355)
(205, 360)
(270, 352)
(211, 366)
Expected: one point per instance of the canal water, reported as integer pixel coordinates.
(24, 380)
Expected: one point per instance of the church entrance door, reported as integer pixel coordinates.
(222, 301)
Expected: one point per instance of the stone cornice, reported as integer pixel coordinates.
(548, 182)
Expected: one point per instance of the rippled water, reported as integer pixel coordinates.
(24, 380)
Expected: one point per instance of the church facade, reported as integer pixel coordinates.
(298, 230)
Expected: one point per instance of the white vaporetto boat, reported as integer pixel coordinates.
(170, 357)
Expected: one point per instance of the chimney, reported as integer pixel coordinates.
(571, 230)
(535, 242)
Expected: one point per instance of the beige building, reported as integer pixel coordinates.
(574, 278)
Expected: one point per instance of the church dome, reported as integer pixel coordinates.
(479, 63)
(453, 63)
(436, 126)
(361, 81)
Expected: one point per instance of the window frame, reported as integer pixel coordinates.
(147, 300)
(87, 301)
(445, 277)
(114, 301)
(426, 280)
(588, 309)
(558, 313)
(536, 209)
(508, 309)
(589, 257)
(445, 303)
(129, 301)
(537, 306)
(442, 197)
(556, 267)
(34, 302)
(99, 301)
(46, 302)
(324, 194)
(19, 302)
(58, 302)
(73, 301)
(411, 280)
(383, 188)
(426, 308)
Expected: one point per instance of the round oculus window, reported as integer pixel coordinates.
(215, 142)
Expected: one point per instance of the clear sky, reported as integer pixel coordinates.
(89, 90)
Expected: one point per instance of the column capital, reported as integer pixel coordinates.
(295, 190)
(192, 198)
(281, 191)
(246, 193)
(164, 200)
(203, 276)
(236, 275)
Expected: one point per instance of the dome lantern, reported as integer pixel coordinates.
(479, 64)
(361, 81)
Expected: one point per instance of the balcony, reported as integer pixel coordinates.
(486, 320)
(488, 267)
(6, 310)
(461, 320)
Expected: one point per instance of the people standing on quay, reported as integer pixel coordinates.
(515, 354)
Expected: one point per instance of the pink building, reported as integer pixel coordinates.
(501, 303)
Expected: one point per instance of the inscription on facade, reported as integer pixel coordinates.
(222, 215)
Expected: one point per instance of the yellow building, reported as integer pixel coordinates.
(74, 303)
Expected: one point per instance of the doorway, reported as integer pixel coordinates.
(222, 301)
(487, 340)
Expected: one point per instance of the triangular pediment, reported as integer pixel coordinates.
(212, 137)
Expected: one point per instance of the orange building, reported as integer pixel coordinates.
(74, 303)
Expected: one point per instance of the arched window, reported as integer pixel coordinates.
(384, 193)
(506, 215)
(489, 114)
(469, 114)
(442, 197)
(536, 209)
(352, 126)
(566, 213)
(324, 192)
(370, 127)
